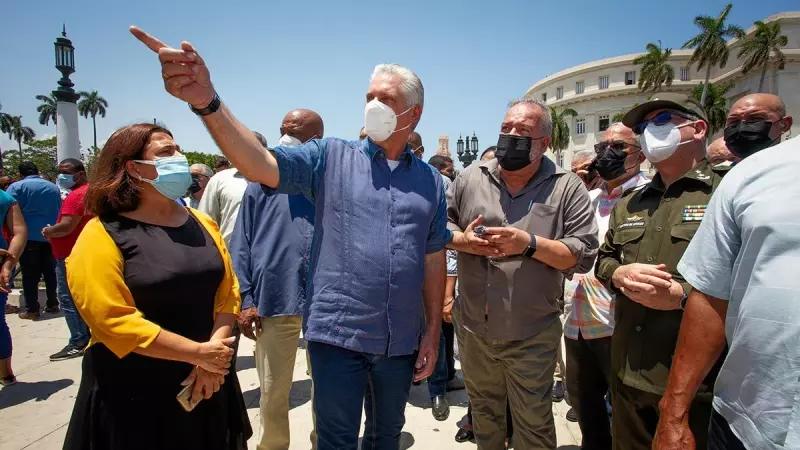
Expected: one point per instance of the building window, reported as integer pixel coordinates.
(580, 127)
(603, 123)
(560, 158)
(630, 78)
(544, 96)
(559, 92)
(603, 82)
(685, 73)
(579, 87)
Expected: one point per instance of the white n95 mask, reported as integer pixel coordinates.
(289, 141)
(659, 142)
(380, 120)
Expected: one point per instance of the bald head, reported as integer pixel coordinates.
(303, 124)
(619, 132)
(718, 152)
(765, 112)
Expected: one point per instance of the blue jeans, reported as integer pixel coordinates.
(5, 334)
(78, 331)
(437, 382)
(345, 380)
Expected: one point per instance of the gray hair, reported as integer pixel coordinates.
(545, 121)
(204, 169)
(411, 85)
(583, 155)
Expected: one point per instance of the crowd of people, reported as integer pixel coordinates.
(670, 296)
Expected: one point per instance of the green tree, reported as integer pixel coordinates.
(711, 48)
(40, 152)
(560, 137)
(656, 70)
(47, 110)
(763, 48)
(617, 117)
(200, 158)
(5, 121)
(19, 132)
(92, 104)
(715, 105)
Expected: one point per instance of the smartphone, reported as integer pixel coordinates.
(479, 231)
(183, 398)
(592, 175)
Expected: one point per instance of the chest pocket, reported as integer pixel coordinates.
(628, 241)
(680, 236)
(542, 221)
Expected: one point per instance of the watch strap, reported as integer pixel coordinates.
(210, 109)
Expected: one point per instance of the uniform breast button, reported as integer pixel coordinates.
(659, 229)
(649, 259)
(638, 328)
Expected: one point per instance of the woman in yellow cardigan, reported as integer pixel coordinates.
(154, 282)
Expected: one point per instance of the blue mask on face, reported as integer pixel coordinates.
(173, 177)
(65, 181)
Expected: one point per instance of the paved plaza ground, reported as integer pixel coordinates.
(34, 413)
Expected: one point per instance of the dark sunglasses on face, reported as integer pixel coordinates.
(659, 119)
(601, 147)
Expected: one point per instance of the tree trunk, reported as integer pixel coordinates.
(763, 75)
(94, 126)
(705, 87)
(21, 156)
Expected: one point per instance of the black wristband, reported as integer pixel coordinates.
(210, 109)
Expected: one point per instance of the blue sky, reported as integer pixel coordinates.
(268, 57)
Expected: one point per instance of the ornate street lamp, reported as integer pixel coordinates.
(467, 149)
(66, 105)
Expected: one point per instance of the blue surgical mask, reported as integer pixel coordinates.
(173, 177)
(65, 181)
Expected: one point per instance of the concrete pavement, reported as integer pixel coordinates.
(34, 413)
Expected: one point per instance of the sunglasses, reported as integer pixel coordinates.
(659, 119)
(615, 145)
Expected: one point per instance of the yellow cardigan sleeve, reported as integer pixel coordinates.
(96, 281)
(228, 299)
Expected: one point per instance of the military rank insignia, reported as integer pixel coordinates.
(693, 213)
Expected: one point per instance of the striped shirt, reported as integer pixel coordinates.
(588, 304)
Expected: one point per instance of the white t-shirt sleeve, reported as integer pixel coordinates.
(708, 262)
(209, 203)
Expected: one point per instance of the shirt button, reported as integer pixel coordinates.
(659, 229)
(649, 259)
(638, 328)
(393, 251)
(488, 284)
(394, 224)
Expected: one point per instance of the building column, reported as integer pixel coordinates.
(67, 131)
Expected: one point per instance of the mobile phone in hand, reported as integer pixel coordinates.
(183, 398)
(479, 231)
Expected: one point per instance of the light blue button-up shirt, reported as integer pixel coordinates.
(747, 251)
(372, 231)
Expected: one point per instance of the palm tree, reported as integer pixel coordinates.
(656, 69)
(711, 50)
(92, 104)
(617, 117)
(19, 133)
(5, 121)
(47, 110)
(763, 49)
(715, 105)
(560, 137)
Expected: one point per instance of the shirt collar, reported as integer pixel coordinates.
(372, 149)
(700, 173)
(546, 169)
(32, 176)
(630, 184)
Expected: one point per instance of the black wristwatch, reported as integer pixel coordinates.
(683, 299)
(210, 109)
(531, 248)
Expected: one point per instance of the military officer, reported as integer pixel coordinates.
(649, 229)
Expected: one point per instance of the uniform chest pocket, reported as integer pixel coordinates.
(542, 221)
(627, 241)
(680, 236)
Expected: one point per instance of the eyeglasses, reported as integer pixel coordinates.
(659, 119)
(616, 145)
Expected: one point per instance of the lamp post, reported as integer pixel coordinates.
(66, 104)
(467, 149)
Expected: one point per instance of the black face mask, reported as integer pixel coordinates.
(513, 152)
(195, 186)
(744, 138)
(610, 164)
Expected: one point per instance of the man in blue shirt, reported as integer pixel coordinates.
(40, 201)
(378, 248)
(271, 251)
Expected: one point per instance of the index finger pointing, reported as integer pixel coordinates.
(150, 41)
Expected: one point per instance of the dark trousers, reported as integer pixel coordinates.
(446, 364)
(344, 380)
(589, 369)
(37, 261)
(720, 436)
(449, 334)
(509, 422)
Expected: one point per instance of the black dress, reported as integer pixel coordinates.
(129, 403)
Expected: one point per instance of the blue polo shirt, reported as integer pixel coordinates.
(372, 230)
(271, 250)
(40, 202)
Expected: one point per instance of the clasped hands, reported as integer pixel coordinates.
(649, 285)
(211, 365)
(497, 242)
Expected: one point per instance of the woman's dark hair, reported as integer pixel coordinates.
(112, 190)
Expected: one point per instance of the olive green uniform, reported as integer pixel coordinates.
(652, 225)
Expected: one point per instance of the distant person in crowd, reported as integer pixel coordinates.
(540, 227)
(741, 266)
(271, 251)
(648, 230)
(362, 134)
(488, 154)
(415, 141)
(581, 166)
(221, 163)
(756, 122)
(153, 281)
(5, 182)
(62, 237)
(10, 250)
(719, 155)
(444, 377)
(590, 312)
(379, 267)
(201, 173)
(40, 201)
